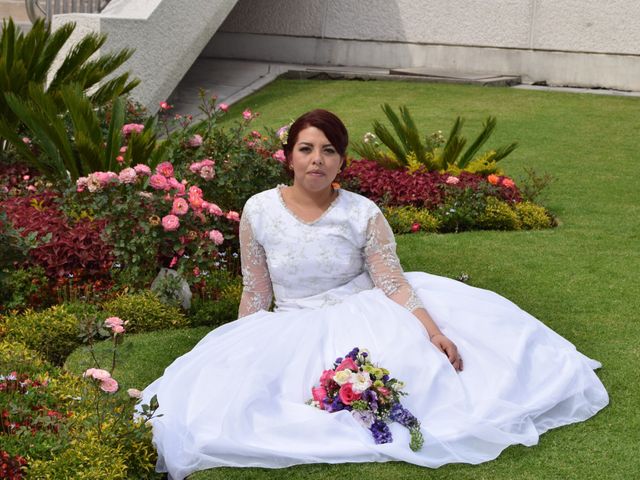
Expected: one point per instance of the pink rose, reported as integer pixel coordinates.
(117, 329)
(81, 184)
(207, 162)
(165, 169)
(176, 185)
(180, 206)
(164, 106)
(134, 393)
(105, 178)
(452, 180)
(170, 223)
(279, 156)
(347, 395)
(347, 364)
(97, 373)
(319, 394)
(142, 169)
(195, 141)
(216, 237)
(173, 262)
(224, 107)
(207, 173)
(158, 182)
(195, 167)
(132, 127)
(384, 391)
(113, 321)
(234, 216)
(128, 176)
(123, 149)
(109, 385)
(196, 272)
(415, 227)
(247, 115)
(120, 159)
(214, 210)
(26, 140)
(326, 378)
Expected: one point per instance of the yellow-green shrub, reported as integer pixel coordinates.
(499, 215)
(145, 312)
(532, 216)
(401, 219)
(53, 332)
(86, 458)
(16, 356)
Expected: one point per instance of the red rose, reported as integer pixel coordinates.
(347, 395)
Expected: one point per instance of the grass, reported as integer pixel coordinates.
(581, 278)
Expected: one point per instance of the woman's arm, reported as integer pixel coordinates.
(257, 291)
(386, 272)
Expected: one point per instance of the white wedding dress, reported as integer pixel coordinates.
(238, 398)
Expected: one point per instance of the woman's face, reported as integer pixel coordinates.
(314, 160)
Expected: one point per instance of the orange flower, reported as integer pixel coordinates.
(493, 179)
(507, 182)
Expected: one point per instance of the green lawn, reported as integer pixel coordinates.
(581, 278)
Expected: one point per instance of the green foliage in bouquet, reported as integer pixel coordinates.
(435, 153)
(27, 60)
(53, 332)
(408, 219)
(145, 312)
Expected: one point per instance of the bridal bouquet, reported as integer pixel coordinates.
(369, 393)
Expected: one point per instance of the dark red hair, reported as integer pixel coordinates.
(331, 126)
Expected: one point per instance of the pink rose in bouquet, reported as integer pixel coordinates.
(347, 364)
(347, 395)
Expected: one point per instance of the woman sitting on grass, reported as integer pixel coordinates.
(328, 256)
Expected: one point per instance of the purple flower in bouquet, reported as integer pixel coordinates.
(368, 391)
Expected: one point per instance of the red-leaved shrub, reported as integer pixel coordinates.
(75, 248)
(420, 188)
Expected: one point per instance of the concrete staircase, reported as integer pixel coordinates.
(168, 36)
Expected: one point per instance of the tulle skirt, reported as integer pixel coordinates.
(238, 398)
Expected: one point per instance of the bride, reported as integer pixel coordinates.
(481, 373)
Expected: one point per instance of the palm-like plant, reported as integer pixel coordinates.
(27, 59)
(66, 153)
(407, 148)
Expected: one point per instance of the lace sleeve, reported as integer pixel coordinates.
(383, 264)
(257, 290)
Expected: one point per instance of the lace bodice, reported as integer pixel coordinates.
(348, 249)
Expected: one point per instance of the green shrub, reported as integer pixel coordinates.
(499, 215)
(88, 458)
(532, 216)
(24, 288)
(16, 356)
(213, 313)
(145, 312)
(52, 332)
(402, 219)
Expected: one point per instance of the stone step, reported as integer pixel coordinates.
(429, 74)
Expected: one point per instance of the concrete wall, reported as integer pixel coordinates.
(575, 42)
(167, 37)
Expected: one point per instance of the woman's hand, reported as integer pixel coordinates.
(449, 348)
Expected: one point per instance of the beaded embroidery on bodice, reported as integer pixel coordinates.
(349, 248)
